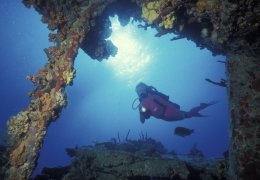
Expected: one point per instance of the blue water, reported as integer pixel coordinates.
(100, 100)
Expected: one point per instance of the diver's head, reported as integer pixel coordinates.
(141, 89)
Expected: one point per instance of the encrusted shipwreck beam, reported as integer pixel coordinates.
(244, 98)
(28, 128)
(229, 28)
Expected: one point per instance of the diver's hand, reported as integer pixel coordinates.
(142, 118)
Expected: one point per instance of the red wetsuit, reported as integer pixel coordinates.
(157, 104)
(158, 107)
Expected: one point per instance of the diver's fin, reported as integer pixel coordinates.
(209, 103)
(197, 114)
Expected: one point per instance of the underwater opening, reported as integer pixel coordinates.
(99, 102)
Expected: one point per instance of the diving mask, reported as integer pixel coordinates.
(141, 89)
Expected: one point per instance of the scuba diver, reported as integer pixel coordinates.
(156, 104)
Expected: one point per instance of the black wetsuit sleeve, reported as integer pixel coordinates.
(142, 118)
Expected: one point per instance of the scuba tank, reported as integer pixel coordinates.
(153, 90)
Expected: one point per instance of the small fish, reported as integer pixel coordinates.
(182, 131)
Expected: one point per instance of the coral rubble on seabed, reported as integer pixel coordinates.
(134, 159)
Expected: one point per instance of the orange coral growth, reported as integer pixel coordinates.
(52, 37)
(56, 19)
(52, 25)
(60, 18)
(42, 72)
(59, 84)
(37, 93)
(40, 124)
(62, 34)
(201, 5)
(71, 51)
(57, 54)
(54, 52)
(52, 49)
(46, 102)
(31, 78)
(15, 156)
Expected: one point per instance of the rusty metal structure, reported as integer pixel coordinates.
(227, 27)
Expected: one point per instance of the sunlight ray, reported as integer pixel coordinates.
(133, 56)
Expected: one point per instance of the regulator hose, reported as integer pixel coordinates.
(134, 108)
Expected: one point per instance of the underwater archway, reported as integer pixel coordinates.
(215, 25)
